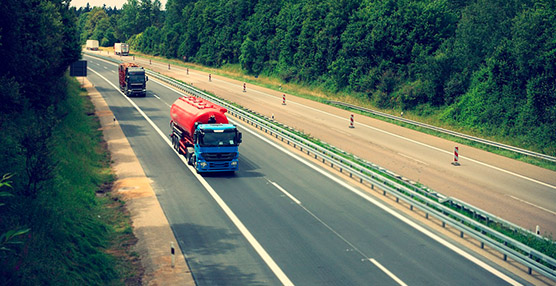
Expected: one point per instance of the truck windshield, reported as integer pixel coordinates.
(136, 78)
(219, 139)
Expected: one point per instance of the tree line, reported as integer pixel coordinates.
(51, 231)
(482, 65)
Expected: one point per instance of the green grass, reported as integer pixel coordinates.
(80, 234)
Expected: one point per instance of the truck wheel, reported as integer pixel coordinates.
(175, 143)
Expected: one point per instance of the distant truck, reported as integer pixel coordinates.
(121, 49)
(92, 45)
(201, 132)
(133, 81)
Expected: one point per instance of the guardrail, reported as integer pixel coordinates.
(426, 200)
(450, 132)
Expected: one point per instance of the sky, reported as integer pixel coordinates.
(109, 3)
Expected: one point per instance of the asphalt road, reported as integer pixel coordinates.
(521, 193)
(518, 192)
(281, 220)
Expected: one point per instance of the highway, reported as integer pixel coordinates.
(281, 220)
(518, 192)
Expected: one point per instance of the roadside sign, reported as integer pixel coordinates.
(78, 68)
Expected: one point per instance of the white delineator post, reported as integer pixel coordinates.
(283, 99)
(173, 253)
(456, 156)
(244, 87)
(351, 122)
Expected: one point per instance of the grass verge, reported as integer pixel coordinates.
(80, 232)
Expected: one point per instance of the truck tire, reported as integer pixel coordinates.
(175, 143)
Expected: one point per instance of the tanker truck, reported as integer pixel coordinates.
(201, 132)
(133, 80)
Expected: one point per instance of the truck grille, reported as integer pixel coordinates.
(219, 166)
(218, 156)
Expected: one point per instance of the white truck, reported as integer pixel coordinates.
(92, 45)
(121, 49)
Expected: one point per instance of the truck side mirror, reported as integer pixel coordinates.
(239, 137)
(146, 78)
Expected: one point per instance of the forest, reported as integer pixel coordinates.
(486, 66)
(54, 228)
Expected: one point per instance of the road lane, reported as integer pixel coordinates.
(485, 180)
(312, 251)
(215, 250)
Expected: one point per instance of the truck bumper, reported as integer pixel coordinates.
(217, 166)
(136, 93)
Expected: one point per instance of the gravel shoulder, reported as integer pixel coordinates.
(150, 225)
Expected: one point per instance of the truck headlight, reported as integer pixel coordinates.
(203, 164)
(233, 163)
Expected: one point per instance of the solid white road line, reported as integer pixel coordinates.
(235, 220)
(351, 245)
(532, 204)
(411, 158)
(417, 142)
(385, 270)
(284, 191)
(392, 212)
(278, 272)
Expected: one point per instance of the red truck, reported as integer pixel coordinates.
(201, 132)
(133, 80)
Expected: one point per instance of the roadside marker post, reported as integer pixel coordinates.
(284, 99)
(244, 87)
(456, 156)
(351, 122)
(173, 253)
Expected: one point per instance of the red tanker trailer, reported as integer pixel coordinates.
(200, 131)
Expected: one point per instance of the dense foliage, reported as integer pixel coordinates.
(50, 231)
(482, 65)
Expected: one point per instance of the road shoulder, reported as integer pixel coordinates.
(150, 225)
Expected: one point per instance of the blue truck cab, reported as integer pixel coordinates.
(215, 148)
